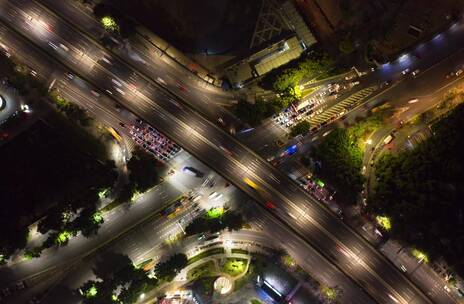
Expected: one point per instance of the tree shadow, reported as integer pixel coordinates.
(109, 263)
(62, 294)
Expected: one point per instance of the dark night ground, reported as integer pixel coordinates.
(193, 26)
(36, 168)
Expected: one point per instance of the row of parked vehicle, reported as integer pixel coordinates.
(153, 141)
(9, 291)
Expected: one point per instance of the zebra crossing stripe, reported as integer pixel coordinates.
(341, 105)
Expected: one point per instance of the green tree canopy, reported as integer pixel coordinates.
(300, 128)
(143, 170)
(168, 269)
(261, 109)
(230, 219)
(119, 281)
(422, 191)
(341, 161)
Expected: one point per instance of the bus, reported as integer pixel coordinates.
(115, 134)
(388, 139)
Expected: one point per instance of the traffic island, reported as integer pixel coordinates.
(218, 276)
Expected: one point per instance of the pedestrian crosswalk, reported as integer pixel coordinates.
(341, 107)
(130, 143)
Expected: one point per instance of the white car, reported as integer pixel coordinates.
(403, 268)
(458, 72)
(54, 46)
(161, 80)
(213, 195)
(404, 72)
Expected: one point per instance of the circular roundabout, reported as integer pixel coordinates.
(223, 285)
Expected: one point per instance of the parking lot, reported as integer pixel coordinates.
(153, 141)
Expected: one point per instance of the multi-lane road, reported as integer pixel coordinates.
(142, 55)
(339, 244)
(143, 241)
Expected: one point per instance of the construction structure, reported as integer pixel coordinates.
(280, 35)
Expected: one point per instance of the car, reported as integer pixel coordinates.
(106, 60)
(279, 143)
(405, 71)
(458, 72)
(192, 171)
(20, 285)
(270, 205)
(94, 93)
(415, 73)
(52, 45)
(212, 237)
(120, 91)
(197, 198)
(181, 87)
(64, 47)
(161, 80)
(213, 195)
(116, 82)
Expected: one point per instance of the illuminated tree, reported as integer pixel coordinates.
(109, 24)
